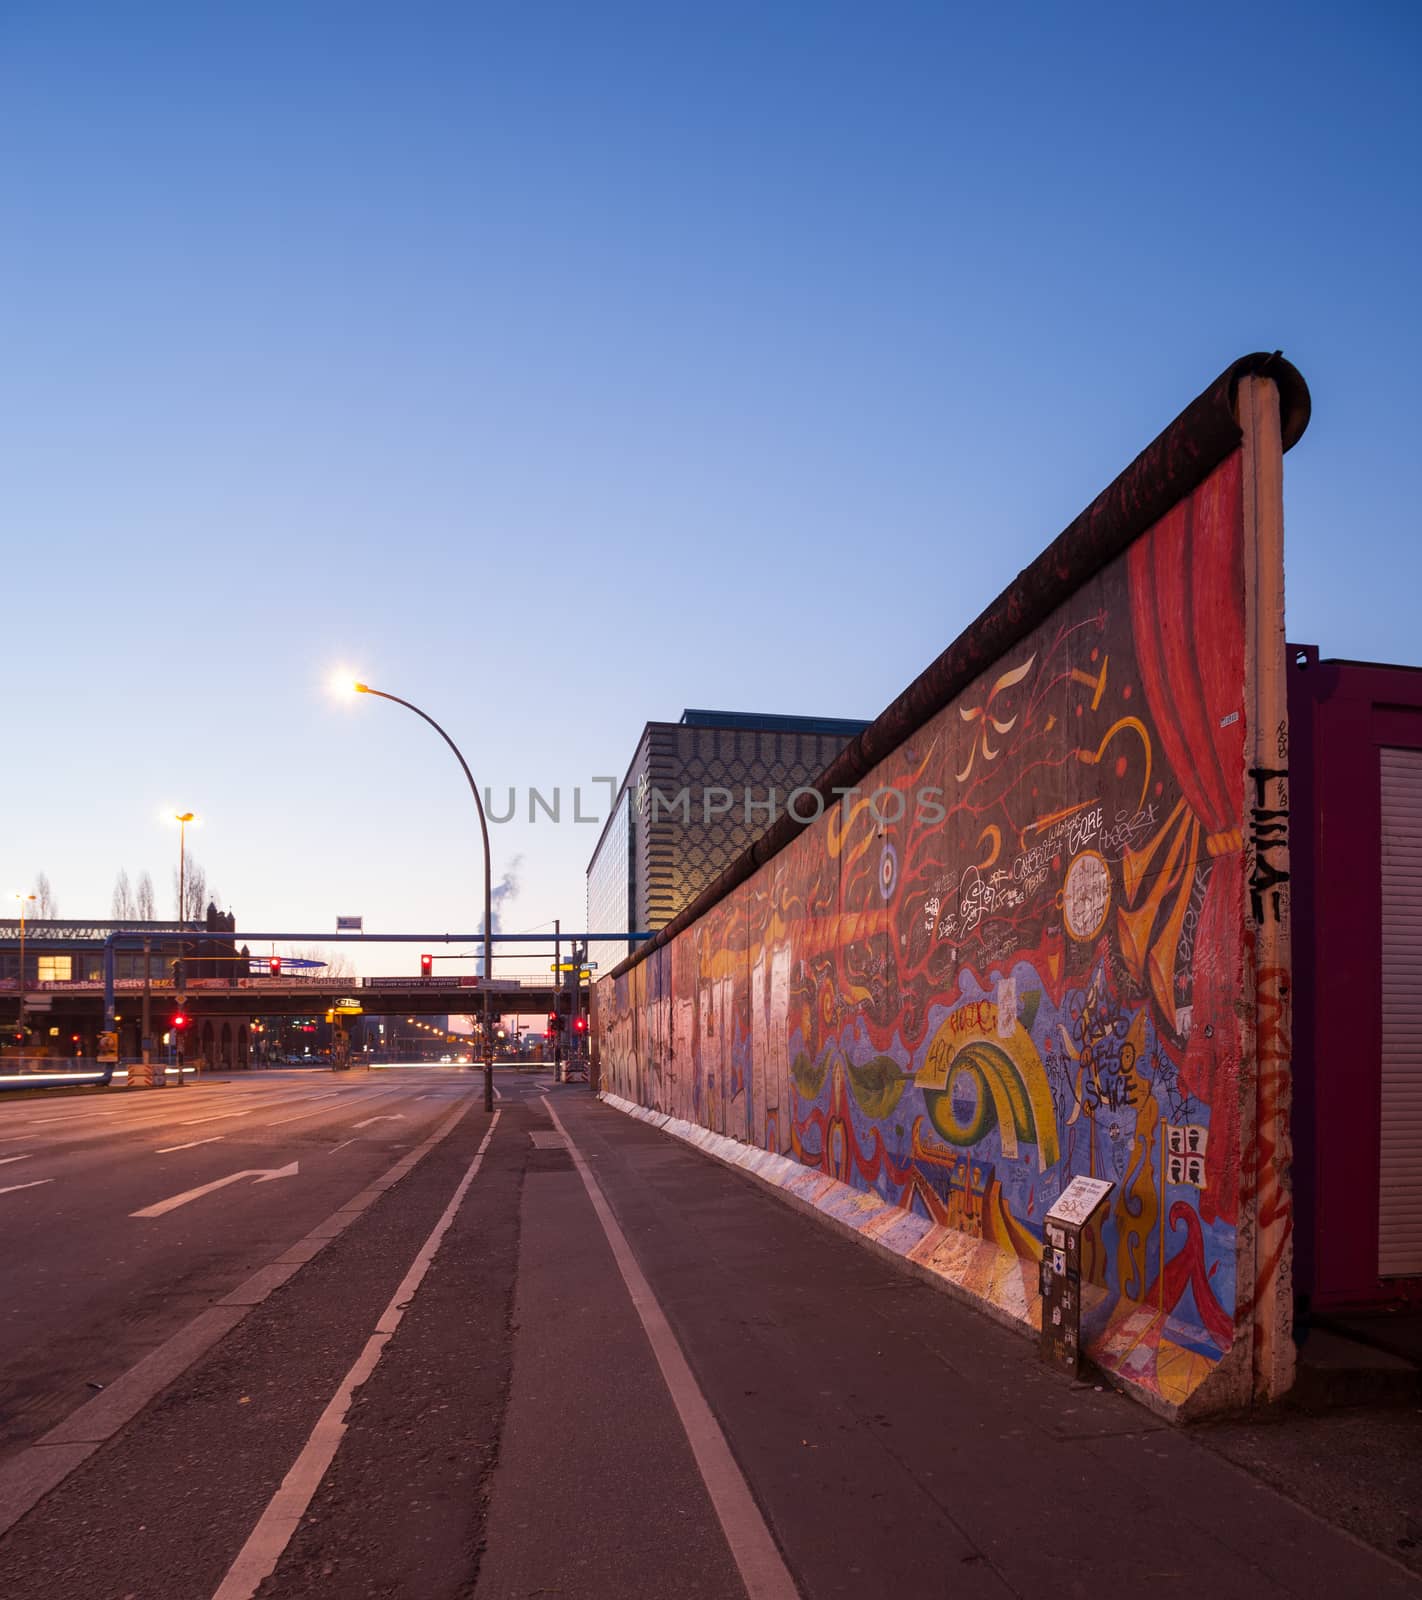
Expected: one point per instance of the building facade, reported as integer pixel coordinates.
(60, 954)
(698, 793)
(1355, 905)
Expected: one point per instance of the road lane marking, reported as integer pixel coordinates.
(341, 1146)
(753, 1548)
(27, 1477)
(6, 1160)
(168, 1149)
(393, 1116)
(380, 1094)
(267, 1105)
(16, 1187)
(258, 1557)
(261, 1174)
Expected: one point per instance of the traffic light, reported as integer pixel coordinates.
(274, 966)
(555, 1023)
(180, 1021)
(580, 1024)
(426, 966)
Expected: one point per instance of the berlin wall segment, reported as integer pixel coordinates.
(1043, 935)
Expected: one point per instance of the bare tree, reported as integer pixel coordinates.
(123, 906)
(143, 900)
(46, 906)
(337, 965)
(193, 883)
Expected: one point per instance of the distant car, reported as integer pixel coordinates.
(446, 1058)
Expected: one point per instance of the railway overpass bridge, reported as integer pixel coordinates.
(68, 1014)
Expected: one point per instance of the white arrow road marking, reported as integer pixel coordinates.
(35, 1185)
(168, 1149)
(380, 1094)
(6, 1160)
(394, 1116)
(262, 1175)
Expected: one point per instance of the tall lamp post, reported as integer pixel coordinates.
(182, 818)
(23, 898)
(364, 688)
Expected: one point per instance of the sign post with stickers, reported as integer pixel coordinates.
(1061, 1270)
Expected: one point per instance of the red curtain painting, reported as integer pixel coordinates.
(1187, 612)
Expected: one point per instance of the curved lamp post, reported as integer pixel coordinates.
(364, 688)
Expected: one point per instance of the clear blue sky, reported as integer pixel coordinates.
(558, 367)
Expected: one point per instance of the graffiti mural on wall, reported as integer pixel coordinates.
(1013, 957)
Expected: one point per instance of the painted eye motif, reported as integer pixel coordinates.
(888, 871)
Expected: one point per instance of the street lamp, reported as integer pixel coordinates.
(182, 818)
(364, 688)
(22, 898)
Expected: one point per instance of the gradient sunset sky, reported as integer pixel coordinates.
(561, 366)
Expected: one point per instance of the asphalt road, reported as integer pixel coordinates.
(90, 1288)
(550, 1352)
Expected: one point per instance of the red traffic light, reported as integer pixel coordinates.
(180, 1021)
(426, 966)
(274, 966)
(580, 1024)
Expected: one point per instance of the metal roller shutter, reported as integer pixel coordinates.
(1400, 1164)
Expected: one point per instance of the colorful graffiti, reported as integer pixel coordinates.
(1014, 955)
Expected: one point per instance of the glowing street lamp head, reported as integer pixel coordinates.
(343, 683)
(183, 816)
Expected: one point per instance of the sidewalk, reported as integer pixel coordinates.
(898, 1442)
(878, 1420)
(533, 1429)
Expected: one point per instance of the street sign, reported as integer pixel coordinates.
(349, 925)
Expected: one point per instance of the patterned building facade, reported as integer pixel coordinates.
(698, 793)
